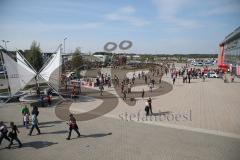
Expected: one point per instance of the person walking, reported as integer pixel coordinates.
(143, 93)
(35, 111)
(203, 77)
(42, 101)
(72, 126)
(124, 95)
(129, 87)
(122, 87)
(146, 79)
(147, 109)
(160, 79)
(26, 120)
(3, 131)
(34, 125)
(49, 100)
(151, 86)
(25, 111)
(174, 78)
(101, 88)
(150, 104)
(189, 77)
(14, 135)
(232, 78)
(153, 82)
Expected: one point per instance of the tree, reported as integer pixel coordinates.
(77, 59)
(34, 56)
(143, 58)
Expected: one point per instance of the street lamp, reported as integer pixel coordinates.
(5, 42)
(64, 44)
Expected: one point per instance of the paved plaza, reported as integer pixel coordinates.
(192, 121)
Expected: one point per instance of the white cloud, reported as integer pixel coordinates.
(222, 9)
(169, 12)
(43, 27)
(126, 14)
(169, 7)
(127, 9)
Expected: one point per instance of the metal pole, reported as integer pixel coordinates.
(64, 44)
(5, 42)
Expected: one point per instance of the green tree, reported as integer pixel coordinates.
(34, 56)
(143, 58)
(77, 59)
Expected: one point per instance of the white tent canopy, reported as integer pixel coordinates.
(12, 72)
(26, 74)
(19, 73)
(51, 71)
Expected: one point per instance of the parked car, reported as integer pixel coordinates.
(213, 75)
(3, 72)
(198, 64)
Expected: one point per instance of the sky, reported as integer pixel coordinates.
(153, 26)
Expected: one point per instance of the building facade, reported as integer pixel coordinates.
(231, 47)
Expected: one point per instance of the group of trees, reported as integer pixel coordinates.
(35, 58)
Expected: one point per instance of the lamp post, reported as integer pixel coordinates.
(64, 44)
(5, 42)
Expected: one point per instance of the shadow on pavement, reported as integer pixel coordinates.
(41, 124)
(56, 132)
(34, 144)
(46, 126)
(39, 144)
(50, 122)
(97, 135)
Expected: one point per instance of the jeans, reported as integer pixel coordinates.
(34, 126)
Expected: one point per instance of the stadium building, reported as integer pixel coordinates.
(230, 49)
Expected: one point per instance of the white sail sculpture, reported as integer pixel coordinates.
(19, 73)
(51, 71)
(12, 73)
(26, 74)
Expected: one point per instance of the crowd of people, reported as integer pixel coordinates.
(125, 84)
(188, 73)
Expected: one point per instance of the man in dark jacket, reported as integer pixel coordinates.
(72, 126)
(150, 104)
